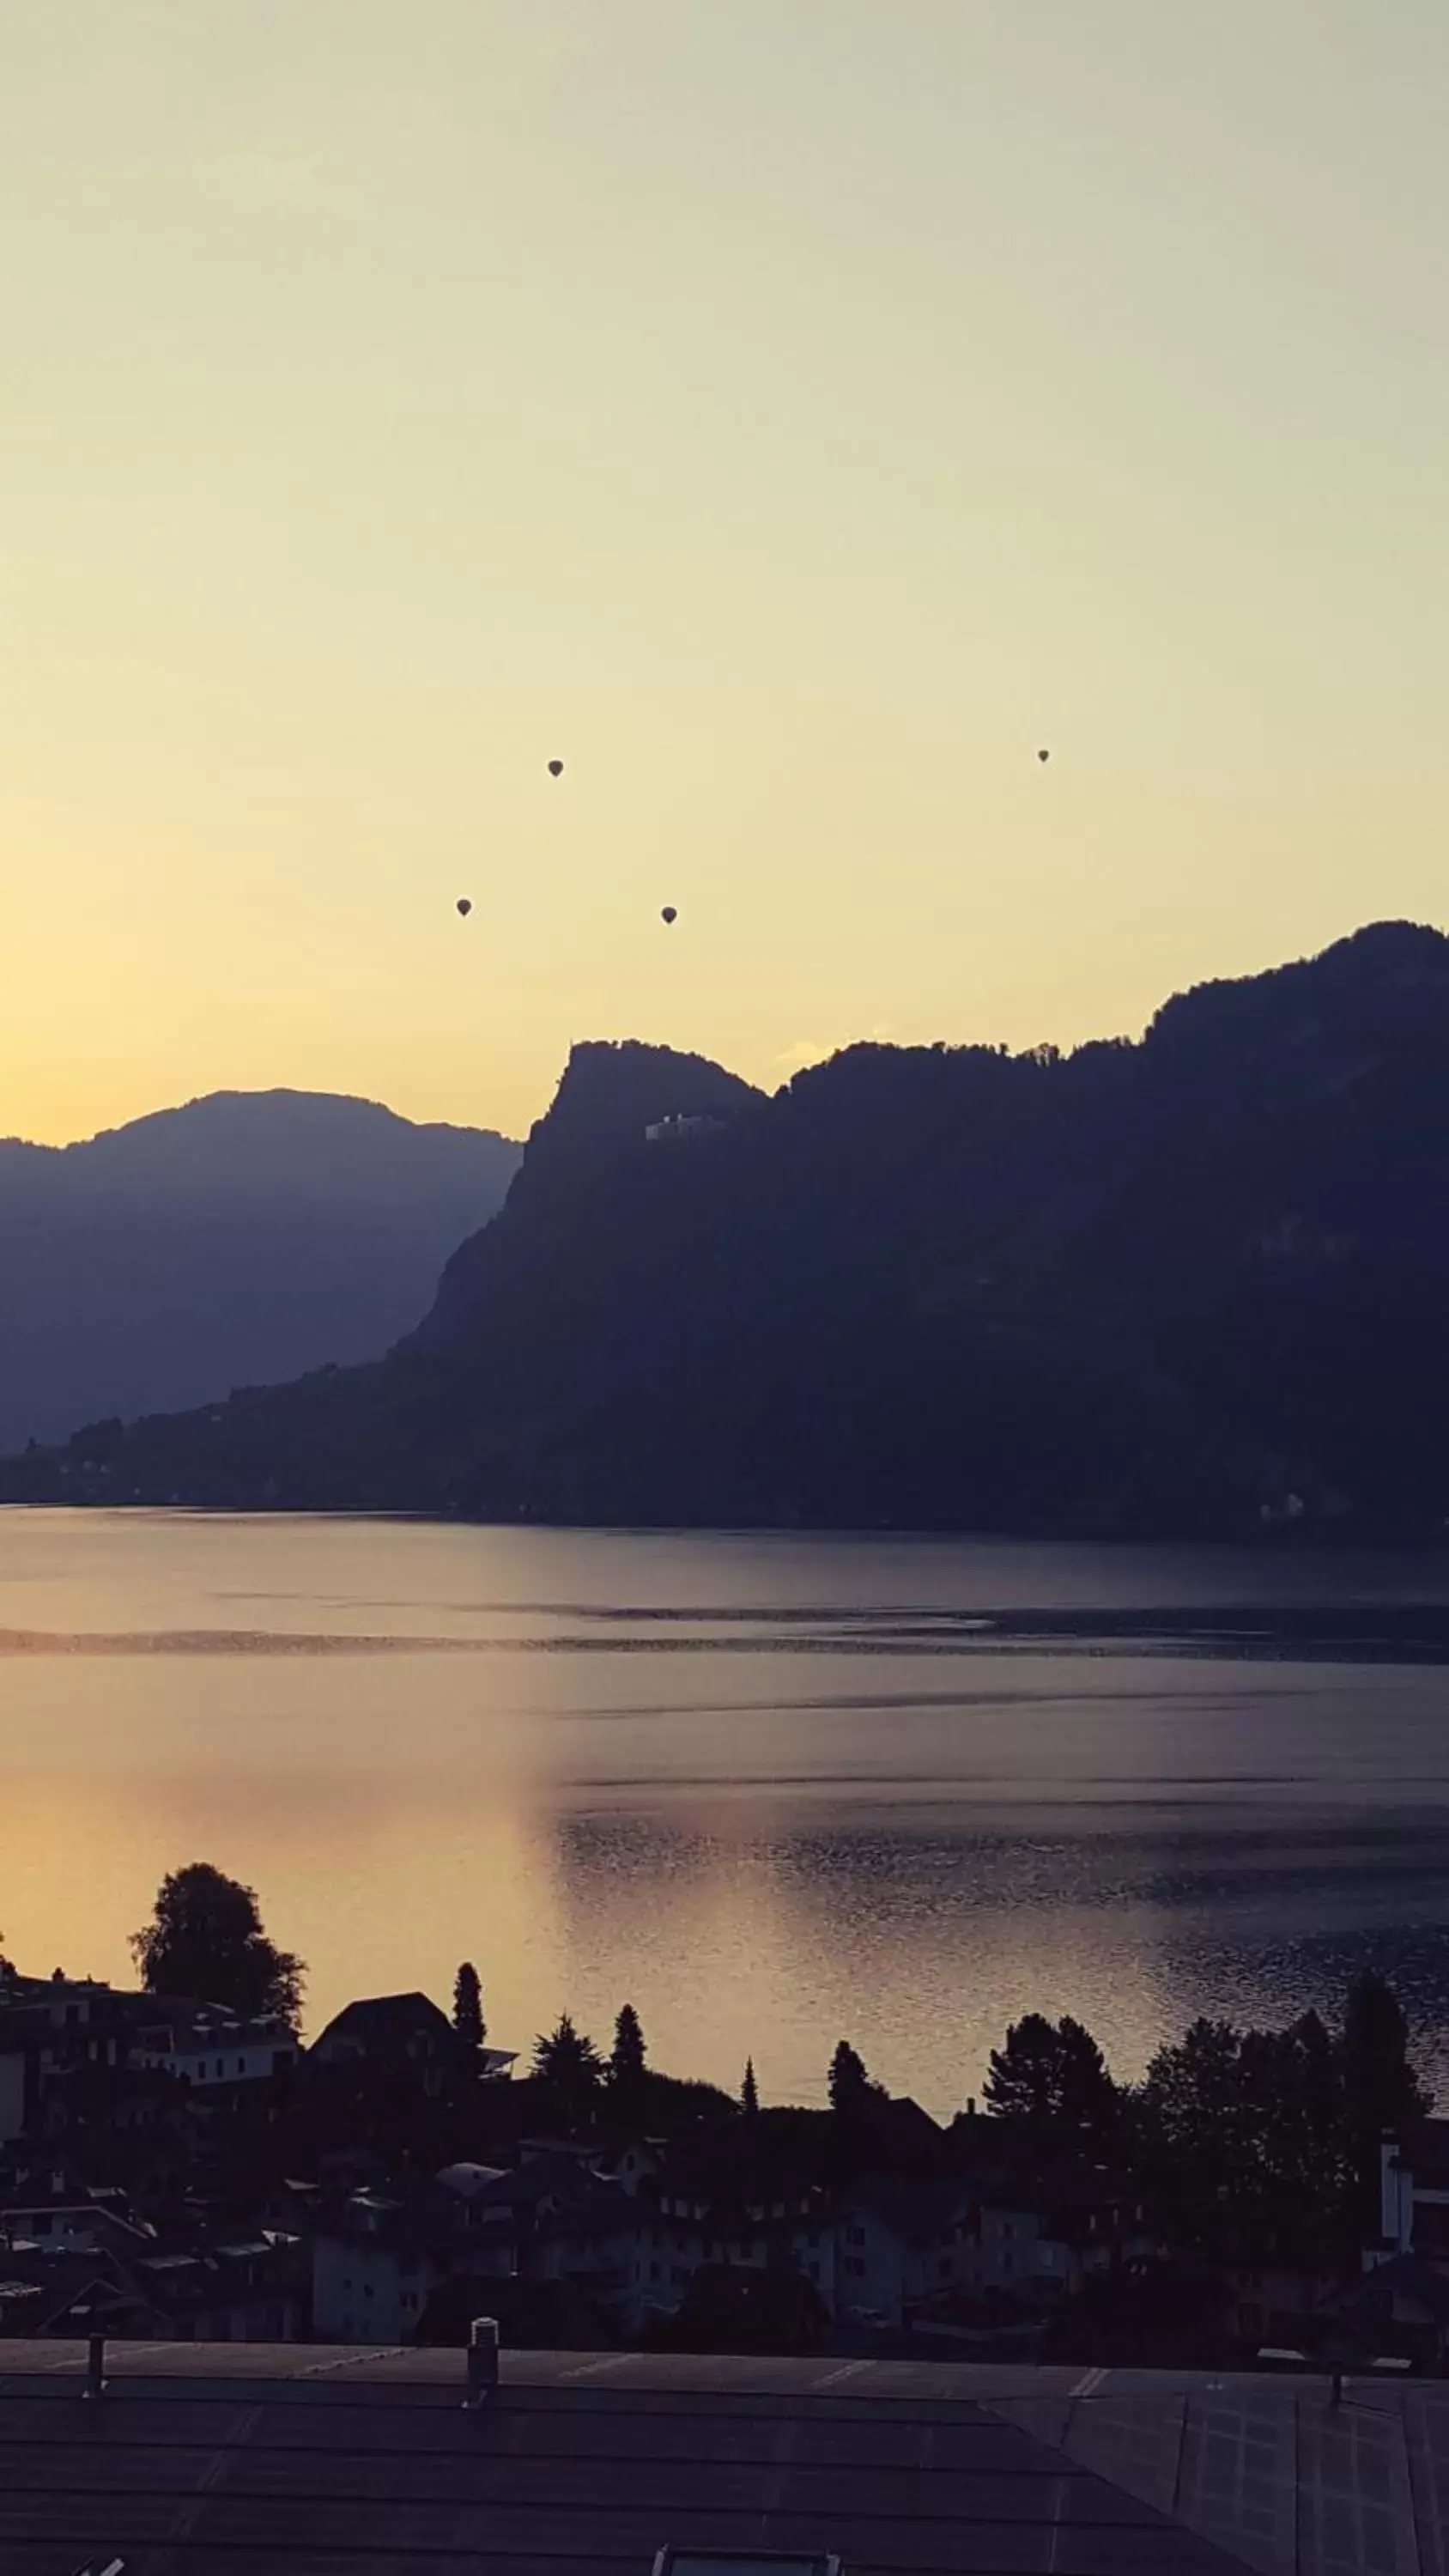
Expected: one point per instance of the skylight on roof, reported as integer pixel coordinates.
(731, 2562)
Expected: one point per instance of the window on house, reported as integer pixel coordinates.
(856, 2236)
(814, 2271)
(943, 2266)
(812, 2240)
(855, 2266)
(241, 2066)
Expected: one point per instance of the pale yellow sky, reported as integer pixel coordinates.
(791, 413)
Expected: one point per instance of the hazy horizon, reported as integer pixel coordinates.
(255, 1091)
(483, 1125)
(793, 421)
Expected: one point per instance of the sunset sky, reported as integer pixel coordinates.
(792, 414)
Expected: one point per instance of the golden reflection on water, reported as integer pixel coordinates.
(766, 1836)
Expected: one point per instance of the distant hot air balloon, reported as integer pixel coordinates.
(555, 769)
(1043, 755)
(464, 906)
(669, 913)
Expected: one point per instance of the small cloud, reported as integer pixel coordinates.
(806, 1051)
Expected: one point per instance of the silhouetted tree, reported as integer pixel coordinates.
(205, 1943)
(1383, 2093)
(849, 2082)
(569, 2063)
(750, 2091)
(468, 2019)
(626, 2057)
(1051, 2076)
(1245, 2142)
(1382, 2086)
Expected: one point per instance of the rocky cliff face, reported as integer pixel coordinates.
(1150, 1287)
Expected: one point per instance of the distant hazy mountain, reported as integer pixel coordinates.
(1170, 1286)
(242, 1239)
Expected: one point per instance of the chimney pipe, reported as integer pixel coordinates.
(95, 2366)
(482, 2361)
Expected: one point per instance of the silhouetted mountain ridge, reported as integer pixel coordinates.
(1161, 1286)
(232, 1241)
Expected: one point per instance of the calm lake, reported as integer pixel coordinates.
(771, 1789)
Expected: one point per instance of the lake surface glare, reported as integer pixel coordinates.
(771, 1789)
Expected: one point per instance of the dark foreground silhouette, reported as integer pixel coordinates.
(1192, 1285)
(179, 2155)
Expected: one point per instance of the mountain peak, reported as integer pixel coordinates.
(240, 1237)
(1139, 1288)
(610, 1091)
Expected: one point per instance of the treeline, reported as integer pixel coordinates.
(1240, 2143)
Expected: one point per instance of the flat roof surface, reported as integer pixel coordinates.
(311, 2460)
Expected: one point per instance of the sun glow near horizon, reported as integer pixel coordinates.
(792, 420)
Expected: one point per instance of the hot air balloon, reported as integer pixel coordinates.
(464, 906)
(669, 913)
(1043, 755)
(555, 769)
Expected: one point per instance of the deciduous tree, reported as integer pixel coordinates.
(1383, 2092)
(205, 1943)
(849, 2082)
(1051, 2077)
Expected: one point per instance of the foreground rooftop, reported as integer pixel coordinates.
(307, 2460)
(304, 2461)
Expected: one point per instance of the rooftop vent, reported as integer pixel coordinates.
(482, 2362)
